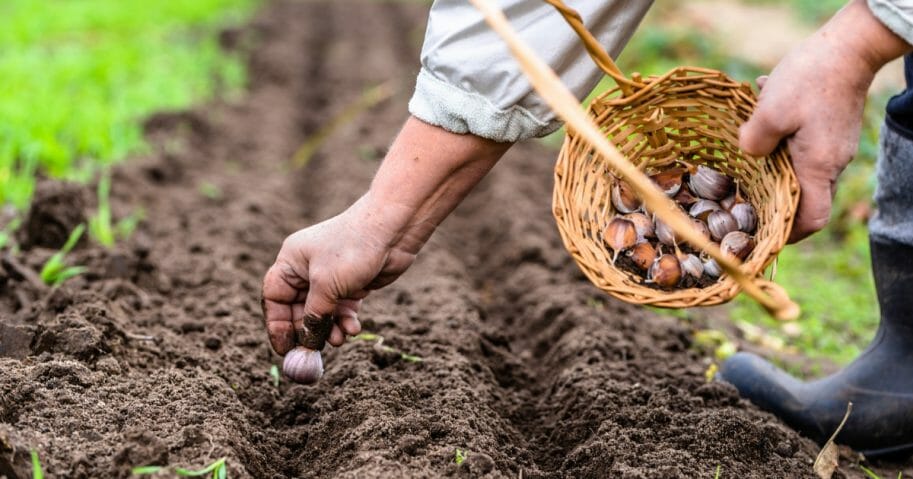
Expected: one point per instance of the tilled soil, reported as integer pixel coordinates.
(157, 354)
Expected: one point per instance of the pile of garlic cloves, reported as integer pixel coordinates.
(642, 244)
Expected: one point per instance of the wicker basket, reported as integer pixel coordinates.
(689, 113)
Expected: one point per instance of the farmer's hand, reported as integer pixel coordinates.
(814, 99)
(330, 267)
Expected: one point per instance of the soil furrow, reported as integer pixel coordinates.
(157, 355)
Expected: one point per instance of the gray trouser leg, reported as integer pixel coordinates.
(893, 219)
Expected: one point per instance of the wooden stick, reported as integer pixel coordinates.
(563, 102)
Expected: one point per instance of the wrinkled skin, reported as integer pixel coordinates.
(330, 267)
(814, 100)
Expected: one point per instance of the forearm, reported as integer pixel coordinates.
(424, 176)
(856, 31)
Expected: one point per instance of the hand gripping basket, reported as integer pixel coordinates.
(690, 114)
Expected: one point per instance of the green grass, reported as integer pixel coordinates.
(77, 77)
(55, 270)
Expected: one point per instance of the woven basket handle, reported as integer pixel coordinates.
(593, 47)
(566, 106)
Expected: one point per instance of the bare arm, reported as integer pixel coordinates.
(814, 100)
(329, 267)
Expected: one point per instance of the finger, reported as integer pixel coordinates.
(347, 316)
(337, 338)
(771, 121)
(761, 81)
(350, 326)
(279, 326)
(277, 296)
(814, 205)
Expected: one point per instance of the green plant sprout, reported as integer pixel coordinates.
(210, 190)
(101, 227)
(55, 271)
(6, 234)
(459, 456)
(872, 475)
(274, 373)
(37, 472)
(217, 470)
(380, 344)
(719, 468)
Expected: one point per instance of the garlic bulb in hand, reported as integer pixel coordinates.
(303, 365)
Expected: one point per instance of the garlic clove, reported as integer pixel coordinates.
(738, 244)
(642, 254)
(728, 202)
(709, 183)
(666, 271)
(684, 197)
(303, 365)
(624, 199)
(701, 228)
(702, 208)
(642, 224)
(721, 223)
(664, 233)
(620, 235)
(669, 181)
(746, 217)
(712, 268)
(691, 265)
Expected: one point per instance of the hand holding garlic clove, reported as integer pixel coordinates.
(304, 364)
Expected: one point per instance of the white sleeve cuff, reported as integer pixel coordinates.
(896, 15)
(442, 104)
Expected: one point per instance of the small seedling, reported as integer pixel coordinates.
(216, 469)
(101, 227)
(380, 344)
(37, 472)
(6, 234)
(719, 468)
(144, 470)
(711, 371)
(459, 456)
(210, 190)
(55, 271)
(274, 373)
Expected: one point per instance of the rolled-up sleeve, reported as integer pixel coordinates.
(470, 83)
(897, 15)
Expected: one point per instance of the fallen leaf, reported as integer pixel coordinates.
(827, 460)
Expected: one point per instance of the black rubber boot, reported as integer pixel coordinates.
(879, 382)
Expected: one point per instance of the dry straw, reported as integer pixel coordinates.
(689, 113)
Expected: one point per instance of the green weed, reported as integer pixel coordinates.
(216, 470)
(55, 271)
(101, 227)
(274, 373)
(380, 344)
(210, 190)
(459, 456)
(719, 468)
(37, 472)
(78, 76)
